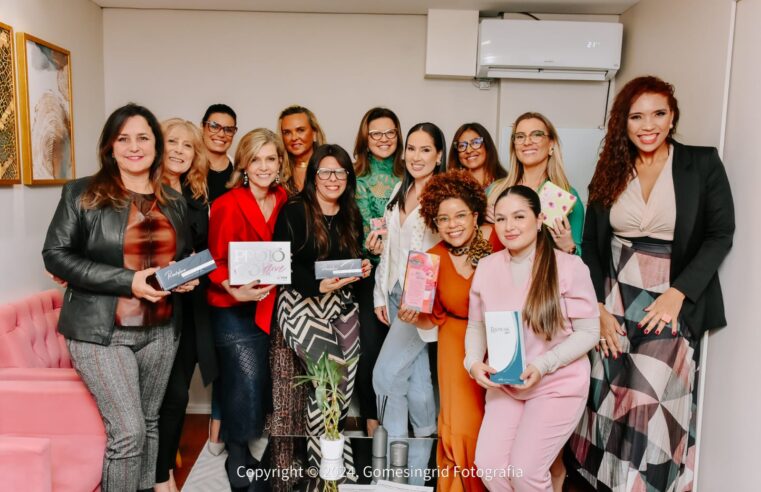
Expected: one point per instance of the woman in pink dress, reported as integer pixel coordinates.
(526, 425)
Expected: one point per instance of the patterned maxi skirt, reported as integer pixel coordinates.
(312, 326)
(638, 430)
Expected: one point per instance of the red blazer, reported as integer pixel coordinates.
(235, 216)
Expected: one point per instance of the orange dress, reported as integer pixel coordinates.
(462, 400)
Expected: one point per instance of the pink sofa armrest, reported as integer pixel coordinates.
(38, 374)
(25, 463)
(48, 408)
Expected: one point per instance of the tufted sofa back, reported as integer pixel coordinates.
(28, 332)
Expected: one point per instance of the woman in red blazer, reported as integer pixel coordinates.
(241, 315)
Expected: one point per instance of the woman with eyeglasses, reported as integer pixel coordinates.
(184, 169)
(535, 158)
(454, 204)
(402, 375)
(474, 150)
(241, 315)
(378, 165)
(322, 222)
(219, 128)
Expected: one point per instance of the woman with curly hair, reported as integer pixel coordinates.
(454, 204)
(473, 150)
(535, 158)
(660, 222)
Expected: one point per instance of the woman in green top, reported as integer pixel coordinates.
(535, 158)
(378, 166)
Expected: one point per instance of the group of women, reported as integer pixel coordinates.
(637, 282)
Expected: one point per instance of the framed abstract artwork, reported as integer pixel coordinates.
(46, 108)
(10, 165)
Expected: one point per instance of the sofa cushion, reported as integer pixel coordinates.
(28, 332)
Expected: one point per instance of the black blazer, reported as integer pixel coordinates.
(195, 308)
(705, 224)
(85, 248)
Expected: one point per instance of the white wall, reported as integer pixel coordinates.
(337, 65)
(730, 451)
(683, 42)
(77, 26)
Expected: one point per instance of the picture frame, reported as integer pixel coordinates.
(47, 111)
(10, 163)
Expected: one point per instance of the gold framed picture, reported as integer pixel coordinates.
(10, 166)
(47, 111)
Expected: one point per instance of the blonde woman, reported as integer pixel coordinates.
(241, 315)
(535, 158)
(301, 134)
(184, 169)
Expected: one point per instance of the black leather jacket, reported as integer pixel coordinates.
(85, 248)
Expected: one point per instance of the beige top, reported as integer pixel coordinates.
(631, 216)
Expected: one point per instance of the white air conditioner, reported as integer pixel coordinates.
(559, 50)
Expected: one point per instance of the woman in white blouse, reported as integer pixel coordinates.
(402, 376)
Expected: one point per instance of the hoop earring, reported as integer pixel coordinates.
(245, 179)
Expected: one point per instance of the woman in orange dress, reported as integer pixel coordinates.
(454, 204)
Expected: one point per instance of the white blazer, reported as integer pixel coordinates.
(422, 239)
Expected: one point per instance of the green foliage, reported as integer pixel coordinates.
(326, 375)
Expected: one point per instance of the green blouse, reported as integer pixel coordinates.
(374, 192)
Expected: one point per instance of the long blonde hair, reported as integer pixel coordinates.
(195, 177)
(250, 145)
(555, 170)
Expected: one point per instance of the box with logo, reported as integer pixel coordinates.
(420, 281)
(269, 262)
(190, 268)
(338, 268)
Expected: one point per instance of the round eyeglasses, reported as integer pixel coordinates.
(474, 144)
(535, 137)
(445, 220)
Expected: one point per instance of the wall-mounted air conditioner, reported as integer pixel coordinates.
(563, 50)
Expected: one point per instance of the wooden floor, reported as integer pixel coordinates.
(196, 432)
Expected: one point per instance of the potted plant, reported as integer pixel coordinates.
(326, 375)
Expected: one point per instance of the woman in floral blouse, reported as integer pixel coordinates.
(378, 166)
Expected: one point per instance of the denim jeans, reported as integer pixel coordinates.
(402, 382)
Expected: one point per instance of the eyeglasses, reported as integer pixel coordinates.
(459, 218)
(377, 134)
(536, 137)
(475, 144)
(215, 128)
(340, 174)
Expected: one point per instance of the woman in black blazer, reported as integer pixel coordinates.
(660, 221)
(185, 168)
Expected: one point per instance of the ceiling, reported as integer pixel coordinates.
(381, 6)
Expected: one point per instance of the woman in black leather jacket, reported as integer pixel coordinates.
(109, 235)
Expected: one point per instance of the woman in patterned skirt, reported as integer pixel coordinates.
(659, 224)
(318, 317)
(378, 165)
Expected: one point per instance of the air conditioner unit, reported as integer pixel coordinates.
(559, 50)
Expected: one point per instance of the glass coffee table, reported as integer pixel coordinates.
(420, 469)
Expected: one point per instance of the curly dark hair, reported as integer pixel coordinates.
(616, 164)
(452, 184)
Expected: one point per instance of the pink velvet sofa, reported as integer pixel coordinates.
(51, 433)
